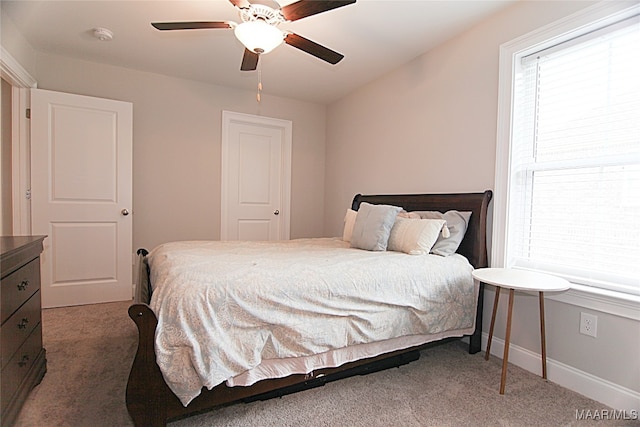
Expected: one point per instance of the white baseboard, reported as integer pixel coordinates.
(601, 390)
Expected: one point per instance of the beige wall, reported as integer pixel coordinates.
(177, 146)
(430, 126)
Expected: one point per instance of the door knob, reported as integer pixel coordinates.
(124, 212)
(276, 212)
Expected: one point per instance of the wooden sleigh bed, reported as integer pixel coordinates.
(151, 402)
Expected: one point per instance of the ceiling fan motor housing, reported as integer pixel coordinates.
(261, 12)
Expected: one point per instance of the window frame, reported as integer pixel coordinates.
(582, 22)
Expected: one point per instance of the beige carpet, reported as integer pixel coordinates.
(90, 349)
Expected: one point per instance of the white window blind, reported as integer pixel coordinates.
(574, 202)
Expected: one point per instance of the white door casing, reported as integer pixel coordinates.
(256, 177)
(21, 81)
(81, 167)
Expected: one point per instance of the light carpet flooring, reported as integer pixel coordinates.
(90, 350)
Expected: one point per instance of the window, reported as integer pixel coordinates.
(572, 169)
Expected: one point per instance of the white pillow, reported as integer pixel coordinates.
(457, 223)
(349, 221)
(415, 236)
(373, 225)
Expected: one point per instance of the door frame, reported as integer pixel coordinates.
(229, 117)
(21, 81)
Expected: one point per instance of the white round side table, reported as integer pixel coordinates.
(520, 280)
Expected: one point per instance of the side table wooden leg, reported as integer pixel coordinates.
(493, 322)
(505, 357)
(543, 344)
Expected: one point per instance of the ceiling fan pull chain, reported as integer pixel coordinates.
(259, 82)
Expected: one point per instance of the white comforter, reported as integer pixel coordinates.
(223, 307)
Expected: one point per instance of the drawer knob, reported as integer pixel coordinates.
(23, 323)
(23, 362)
(23, 285)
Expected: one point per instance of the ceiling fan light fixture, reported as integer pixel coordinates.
(259, 36)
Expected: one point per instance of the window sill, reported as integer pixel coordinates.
(616, 303)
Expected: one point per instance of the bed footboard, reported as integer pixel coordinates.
(146, 389)
(147, 392)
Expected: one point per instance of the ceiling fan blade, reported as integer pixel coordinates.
(303, 8)
(240, 4)
(313, 48)
(164, 26)
(249, 61)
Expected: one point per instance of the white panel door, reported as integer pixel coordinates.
(81, 167)
(256, 171)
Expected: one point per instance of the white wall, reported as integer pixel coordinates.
(177, 146)
(430, 126)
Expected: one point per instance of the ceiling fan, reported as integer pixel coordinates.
(258, 30)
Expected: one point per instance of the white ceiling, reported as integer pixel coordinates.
(375, 36)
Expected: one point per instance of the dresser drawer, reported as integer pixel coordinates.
(18, 327)
(18, 287)
(16, 370)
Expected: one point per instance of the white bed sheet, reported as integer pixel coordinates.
(225, 307)
(280, 368)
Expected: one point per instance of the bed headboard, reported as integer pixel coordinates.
(474, 244)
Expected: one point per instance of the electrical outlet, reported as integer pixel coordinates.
(588, 324)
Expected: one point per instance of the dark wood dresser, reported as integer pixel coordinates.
(22, 355)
